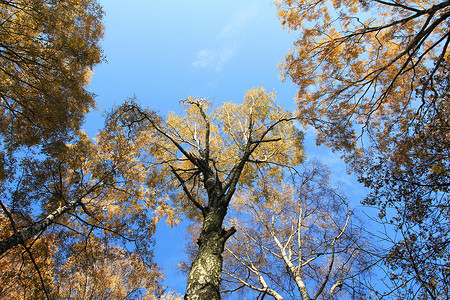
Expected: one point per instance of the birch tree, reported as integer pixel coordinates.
(298, 240)
(204, 156)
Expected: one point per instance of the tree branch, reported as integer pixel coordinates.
(22, 236)
(186, 191)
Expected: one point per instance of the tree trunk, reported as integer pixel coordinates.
(206, 270)
(21, 237)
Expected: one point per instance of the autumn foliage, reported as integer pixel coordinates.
(48, 50)
(373, 82)
(77, 213)
(61, 226)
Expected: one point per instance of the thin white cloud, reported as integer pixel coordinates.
(205, 58)
(235, 28)
(215, 59)
(227, 41)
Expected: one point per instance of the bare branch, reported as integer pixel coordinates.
(20, 237)
(186, 190)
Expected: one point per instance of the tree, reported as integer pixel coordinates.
(299, 240)
(377, 89)
(92, 207)
(47, 53)
(61, 192)
(203, 157)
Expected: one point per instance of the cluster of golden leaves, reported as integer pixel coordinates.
(76, 270)
(85, 242)
(47, 54)
(358, 63)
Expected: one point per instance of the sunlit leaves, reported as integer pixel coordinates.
(60, 266)
(107, 202)
(111, 273)
(47, 53)
(351, 67)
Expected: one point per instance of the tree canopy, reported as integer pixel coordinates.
(358, 64)
(47, 52)
(373, 82)
(78, 214)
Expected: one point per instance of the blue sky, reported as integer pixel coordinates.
(162, 52)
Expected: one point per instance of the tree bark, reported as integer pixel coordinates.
(206, 270)
(21, 237)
